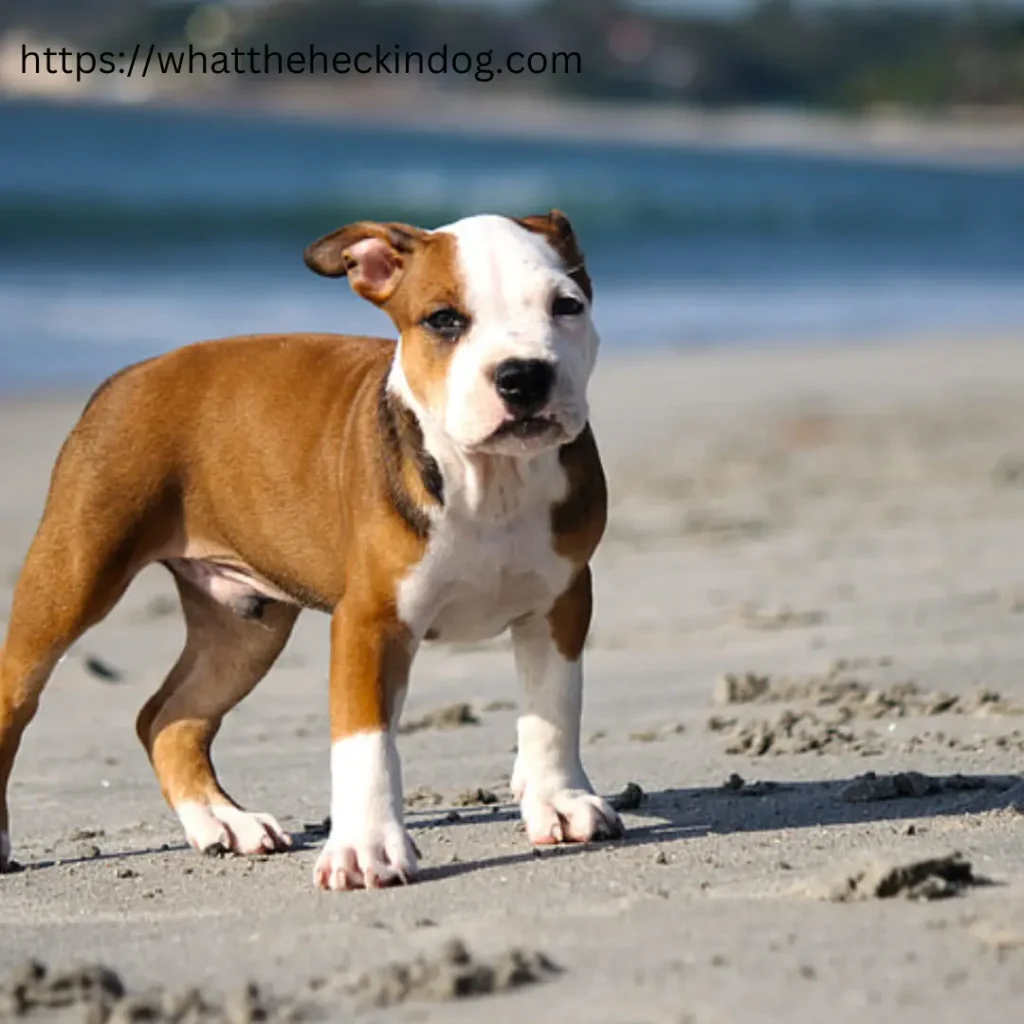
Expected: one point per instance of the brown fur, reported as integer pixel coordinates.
(578, 524)
(243, 452)
(555, 227)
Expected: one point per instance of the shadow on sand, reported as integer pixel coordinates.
(673, 815)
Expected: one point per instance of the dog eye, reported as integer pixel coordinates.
(448, 323)
(566, 305)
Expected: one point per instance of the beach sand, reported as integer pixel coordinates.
(840, 531)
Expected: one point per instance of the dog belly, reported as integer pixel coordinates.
(235, 588)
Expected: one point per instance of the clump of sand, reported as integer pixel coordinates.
(451, 716)
(881, 878)
(793, 732)
(826, 708)
(100, 995)
(869, 787)
(856, 698)
(450, 973)
(630, 799)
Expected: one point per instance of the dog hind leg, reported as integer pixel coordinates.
(70, 580)
(225, 656)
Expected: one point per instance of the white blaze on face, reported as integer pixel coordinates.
(509, 277)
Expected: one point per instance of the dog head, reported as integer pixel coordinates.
(496, 340)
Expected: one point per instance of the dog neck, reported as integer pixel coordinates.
(500, 488)
(414, 480)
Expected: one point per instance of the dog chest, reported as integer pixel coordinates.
(476, 578)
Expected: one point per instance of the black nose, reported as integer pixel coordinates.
(524, 384)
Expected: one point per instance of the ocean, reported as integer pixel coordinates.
(128, 231)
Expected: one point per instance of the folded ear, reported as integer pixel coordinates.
(555, 227)
(371, 255)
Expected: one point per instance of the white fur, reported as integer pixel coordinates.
(549, 732)
(231, 828)
(556, 797)
(489, 559)
(368, 845)
(508, 279)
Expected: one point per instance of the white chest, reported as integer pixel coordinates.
(477, 577)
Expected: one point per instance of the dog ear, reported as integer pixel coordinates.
(555, 227)
(371, 255)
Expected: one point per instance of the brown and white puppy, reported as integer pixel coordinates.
(444, 487)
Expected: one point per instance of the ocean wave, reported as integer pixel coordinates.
(40, 222)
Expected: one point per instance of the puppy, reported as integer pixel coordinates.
(444, 487)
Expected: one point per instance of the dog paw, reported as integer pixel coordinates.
(380, 857)
(568, 816)
(5, 853)
(218, 829)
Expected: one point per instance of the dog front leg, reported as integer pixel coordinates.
(368, 846)
(557, 800)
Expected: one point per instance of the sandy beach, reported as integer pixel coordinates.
(814, 570)
(972, 137)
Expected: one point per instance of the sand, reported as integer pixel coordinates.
(840, 531)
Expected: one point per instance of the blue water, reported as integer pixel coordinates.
(124, 232)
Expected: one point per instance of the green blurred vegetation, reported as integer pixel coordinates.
(845, 55)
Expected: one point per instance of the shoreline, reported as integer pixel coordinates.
(977, 139)
(962, 349)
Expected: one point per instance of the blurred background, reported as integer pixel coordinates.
(811, 172)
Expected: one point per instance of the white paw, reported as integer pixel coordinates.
(222, 828)
(564, 815)
(379, 857)
(368, 846)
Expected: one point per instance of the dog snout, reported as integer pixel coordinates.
(524, 385)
